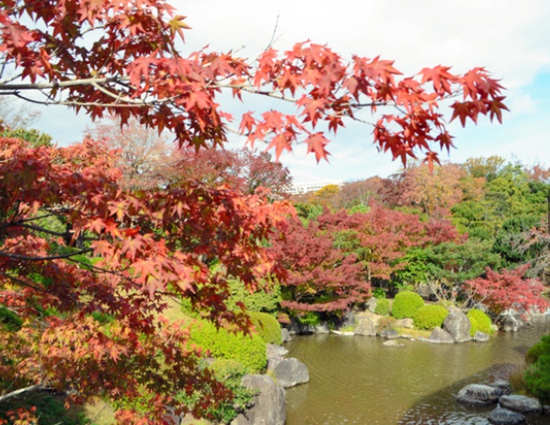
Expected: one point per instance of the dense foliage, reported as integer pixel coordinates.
(405, 304)
(479, 322)
(267, 327)
(537, 375)
(430, 316)
(248, 350)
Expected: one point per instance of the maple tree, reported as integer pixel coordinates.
(87, 266)
(144, 155)
(508, 289)
(320, 277)
(123, 58)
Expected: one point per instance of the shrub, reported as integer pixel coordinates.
(309, 318)
(537, 375)
(382, 306)
(534, 353)
(430, 316)
(249, 350)
(386, 323)
(230, 373)
(405, 304)
(480, 322)
(267, 327)
(266, 300)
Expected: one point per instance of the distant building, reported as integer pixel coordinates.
(299, 188)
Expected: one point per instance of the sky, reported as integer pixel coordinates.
(509, 38)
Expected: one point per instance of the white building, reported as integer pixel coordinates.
(299, 188)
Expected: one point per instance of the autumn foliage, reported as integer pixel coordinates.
(93, 57)
(508, 289)
(88, 266)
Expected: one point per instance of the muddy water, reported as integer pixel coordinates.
(356, 380)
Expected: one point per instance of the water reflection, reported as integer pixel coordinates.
(356, 380)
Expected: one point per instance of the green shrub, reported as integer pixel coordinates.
(480, 322)
(266, 300)
(230, 372)
(267, 327)
(246, 349)
(405, 304)
(430, 316)
(534, 353)
(309, 318)
(382, 306)
(537, 375)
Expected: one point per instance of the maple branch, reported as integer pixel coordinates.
(16, 393)
(23, 283)
(48, 258)
(33, 227)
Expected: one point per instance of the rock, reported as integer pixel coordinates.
(426, 292)
(503, 384)
(404, 323)
(501, 416)
(508, 323)
(285, 335)
(275, 355)
(389, 334)
(291, 372)
(520, 403)
(365, 327)
(349, 319)
(481, 337)
(392, 343)
(480, 395)
(440, 336)
(458, 325)
(269, 404)
(371, 304)
(375, 318)
(321, 328)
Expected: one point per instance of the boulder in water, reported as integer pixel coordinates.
(501, 416)
(480, 395)
(269, 403)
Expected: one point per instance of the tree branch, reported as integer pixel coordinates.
(16, 393)
(48, 258)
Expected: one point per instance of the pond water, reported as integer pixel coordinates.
(356, 380)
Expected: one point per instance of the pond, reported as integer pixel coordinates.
(357, 380)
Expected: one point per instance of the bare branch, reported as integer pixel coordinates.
(16, 393)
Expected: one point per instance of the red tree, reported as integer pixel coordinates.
(508, 289)
(320, 277)
(76, 247)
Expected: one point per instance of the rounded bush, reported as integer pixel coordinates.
(249, 350)
(430, 316)
(405, 304)
(480, 322)
(267, 327)
(382, 306)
